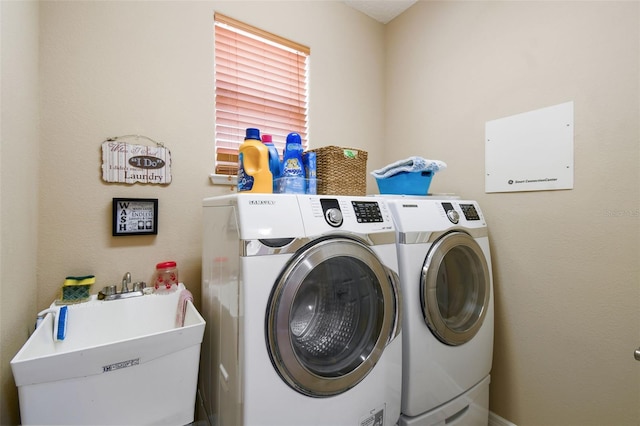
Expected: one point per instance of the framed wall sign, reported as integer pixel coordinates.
(130, 163)
(135, 216)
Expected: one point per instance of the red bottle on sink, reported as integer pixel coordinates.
(165, 278)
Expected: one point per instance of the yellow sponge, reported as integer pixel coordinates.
(76, 289)
(85, 280)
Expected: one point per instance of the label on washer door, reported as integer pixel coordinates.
(374, 418)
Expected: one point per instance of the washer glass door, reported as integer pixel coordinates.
(331, 313)
(455, 287)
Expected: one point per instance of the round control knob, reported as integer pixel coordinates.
(453, 216)
(334, 217)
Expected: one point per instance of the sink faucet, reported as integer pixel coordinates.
(111, 292)
(126, 280)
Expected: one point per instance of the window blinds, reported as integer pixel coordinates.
(261, 82)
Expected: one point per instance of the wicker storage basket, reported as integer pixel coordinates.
(341, 171)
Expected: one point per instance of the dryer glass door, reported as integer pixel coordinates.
(331, 313)
(455, 288)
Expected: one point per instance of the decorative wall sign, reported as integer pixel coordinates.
(532, 151)
(128, 163)
(135, 216)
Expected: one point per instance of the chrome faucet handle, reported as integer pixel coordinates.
(106, 292)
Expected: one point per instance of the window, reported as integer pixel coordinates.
(261, 82)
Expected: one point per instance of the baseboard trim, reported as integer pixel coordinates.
(496, 420)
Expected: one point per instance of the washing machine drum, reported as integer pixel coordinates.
(455, 287)
(331, 313)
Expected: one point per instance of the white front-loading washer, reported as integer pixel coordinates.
(302, 302)
(446, 280)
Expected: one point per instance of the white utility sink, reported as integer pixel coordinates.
(122, 362)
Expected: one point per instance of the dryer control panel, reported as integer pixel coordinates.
(452, 214)
(468, 210)
(427, 215)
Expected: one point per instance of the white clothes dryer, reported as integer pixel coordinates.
(302, 302)
(446, 280)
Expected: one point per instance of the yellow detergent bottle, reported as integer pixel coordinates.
(253, 165)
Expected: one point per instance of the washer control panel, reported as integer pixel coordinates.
(367, 211)
(331, 211)
(358, 214)
(364, 211)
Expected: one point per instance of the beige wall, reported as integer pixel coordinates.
(566, 263)
(120, 68)
(146, 68)
(19, 139)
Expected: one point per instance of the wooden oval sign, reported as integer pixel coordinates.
(146, 162)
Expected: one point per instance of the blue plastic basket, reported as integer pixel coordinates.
(406, 183)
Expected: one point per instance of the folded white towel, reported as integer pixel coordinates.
(185, 296)
(411, 164)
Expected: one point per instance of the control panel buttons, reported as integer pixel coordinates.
(367, 211)
(336, 212)
(470, 212)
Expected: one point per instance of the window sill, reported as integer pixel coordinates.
(223, 179)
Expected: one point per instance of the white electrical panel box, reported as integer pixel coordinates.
(532, 151)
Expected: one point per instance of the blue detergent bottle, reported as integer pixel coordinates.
(274, 160)
(293, 175)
